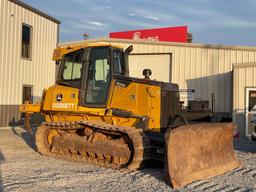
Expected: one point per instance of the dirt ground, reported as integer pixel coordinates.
(23, 169)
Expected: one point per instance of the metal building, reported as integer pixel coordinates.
(28, 37)
(244, 91)
(203, 72)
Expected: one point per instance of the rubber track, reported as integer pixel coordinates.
(140, 143)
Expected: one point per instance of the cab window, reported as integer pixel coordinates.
(72, 66)
(118, 63)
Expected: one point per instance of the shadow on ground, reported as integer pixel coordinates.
(35, 119)
(1, 160)
(26, 136)
(245, 145)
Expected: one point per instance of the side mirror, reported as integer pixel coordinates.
(57, 62)
(128, 49)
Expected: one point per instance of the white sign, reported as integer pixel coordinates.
(136, 36)
(187, 95)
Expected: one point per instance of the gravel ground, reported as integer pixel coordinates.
(22, 169)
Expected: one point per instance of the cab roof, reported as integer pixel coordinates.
(63, 50)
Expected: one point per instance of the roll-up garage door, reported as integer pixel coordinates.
(160, 65)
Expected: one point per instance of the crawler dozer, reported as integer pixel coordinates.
(96, 113)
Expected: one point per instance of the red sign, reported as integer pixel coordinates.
(171, 34)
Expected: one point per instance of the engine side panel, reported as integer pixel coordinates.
(138, 98)
(61, 98)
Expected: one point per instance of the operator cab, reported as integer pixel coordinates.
(91, 70)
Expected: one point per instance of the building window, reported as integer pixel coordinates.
(27, 94)
(26, 41)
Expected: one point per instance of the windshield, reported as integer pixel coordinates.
(71, 67)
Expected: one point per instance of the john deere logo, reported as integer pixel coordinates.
(59, 97)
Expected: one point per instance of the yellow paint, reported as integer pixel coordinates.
(30, 108)
(140, 99)
(137, 99)
(60, 51)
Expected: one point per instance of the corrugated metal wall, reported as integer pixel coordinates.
(244, 75)
(137, 63)
(16, 71)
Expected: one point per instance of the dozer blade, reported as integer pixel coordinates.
(199, 151)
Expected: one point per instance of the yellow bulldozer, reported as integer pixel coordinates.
(96, 113)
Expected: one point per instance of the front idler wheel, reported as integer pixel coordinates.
(44, 138)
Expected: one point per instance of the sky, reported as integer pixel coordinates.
(228, 22)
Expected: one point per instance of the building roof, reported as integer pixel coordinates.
(244, 65)
(196, 45)
(26, 6)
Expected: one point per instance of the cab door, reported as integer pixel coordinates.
(96, 78)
